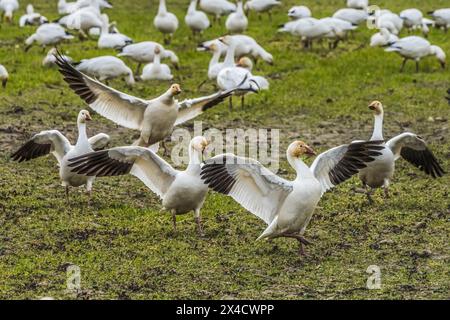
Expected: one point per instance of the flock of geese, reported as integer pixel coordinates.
(285, 206)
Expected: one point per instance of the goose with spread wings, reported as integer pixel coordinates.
(53, 141)
(180, 191)
(408, 146)
(154, 118)
(287, 206)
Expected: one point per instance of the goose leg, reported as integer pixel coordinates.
(242, 101)
(138, 69)
(67, 194)
(417, 66)
(89, 191)
(230, 105)
(386, 189)
(403, 65)
(174, 220)
(201, 84)
(198, 221)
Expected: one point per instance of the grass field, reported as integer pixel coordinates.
(125, 246)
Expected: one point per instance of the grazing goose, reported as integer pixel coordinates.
(387, 20)
(290, 26)
(8, 7)
(195, 19)
(144, 52)
(260, 6)
(65, 7)
(156, 70)
(217, 8)
(53, 141)
(180, 191)
(382, 38)
(47, 34)
(237, 22)
(50, 59)
(299, 12)
(340, 29)
(111, 40)
(286, 206)
(154, 118)
(358, 4)
(105, 68)
(309, 29)
(412, 18)
(441, 17)
(354, 16)
(4, 76)
(31, 18)
(166, 22)
(84, 20)
(415, 48)
(407, 145)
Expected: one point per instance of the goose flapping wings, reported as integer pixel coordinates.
(413, 149)
(152, 170)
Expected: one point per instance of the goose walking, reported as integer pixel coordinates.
(156, 70)
(7, 7)
(166, 22)
(53, 141)
(4, 76)
(47, 34)
(50, 59)
(217, 8)
(105, 68)
(415, 48)
(260, 6)
(408, 146)
(441, 18)
(286, 206)
(180, 191)
(31, 18)
(195, 19)
(109, 40)
(237, 22)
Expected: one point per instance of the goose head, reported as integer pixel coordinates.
(376, 107)
(157, 50)
(298, 149)
(440, 55)
(175, 89)
(83, 116)
(245, 63)
(199, 144)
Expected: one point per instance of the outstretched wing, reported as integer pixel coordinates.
(121, 108)
(152, 170)
(99, 141)
(248, 182)
(41, 144)
(341, 163)
(414, 149)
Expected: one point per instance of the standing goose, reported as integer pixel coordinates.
(31, 18)
(105, 68)
(180, 191)
(53, 141)
(299, 12)
(83, 20)
(166, 22)
(260, 6)
(156, 70)
(441, 17)
(8, 7)
(4, 76)
(47, 34)
(195, 19)
(111, 40)
(409, 146)
(154, 118)
(358, 4)
(237, 22)
(286, 206)
(354, 16)
(217, 8)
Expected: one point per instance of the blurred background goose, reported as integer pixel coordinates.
(382, 38)
(53, 141)
(156, 70)
(441, 18)
(111, 40)
(195, 19)
(166, 22)
(217, 8)
(47, 34)
(50, 59)
(180, 191)
(237, 22)
(354, 16)
(358, 4)
(299, 12)
(7, 7)
(4, 76)
(260, 6)
(31, 18)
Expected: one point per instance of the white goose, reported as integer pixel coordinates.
(156, 70)
(50, 59)
(237, 22)
(4, 76)
(155, 118)
(65, 7)
(340, 29)
(195, 19)
(53, 141)
(83, 20)
(111, 40)
(31, 18)
(47, 34)
(387, 20)
(144, 52)
(415, 48)
(286, 206)
(312, 29)
(8, 7)
(180, 191)
(441, 17)
(407, 145)
(106, 68)
(382, 38)
(214, 65)
(217, 8)
(166, 22)
(413, 20)
(299, 12)
(358, 4)
(354, 16)
(260, 6)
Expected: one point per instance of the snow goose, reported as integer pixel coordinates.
(358, 4)
(217, 8)
(261, 82)
(106, 68)
(83, 20)
(65, 7)
(290, 26)
(166, 22)
(312, 29)
(180, 191)
(156, 70)
(195, 19)
(415, 48)
(144, 52)
(214, 66)
(50, 59)
(31, 18)
(260, 6)
(53, 141)
(354, 16)
(8, 7)
(155, 118)
(390, 21)
(111, 40)
(237, 22)
(412, 18)
(441, 17)
(47, 34)
(340, 29)
(409, 146)
(4, 76)
(299, 12)
(382, 38)
(286, 206)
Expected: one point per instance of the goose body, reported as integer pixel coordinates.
(412, 18)
(237, 22)
(166, 22)
(47, 34)
(180, 191)
(83, 20)
(217, 8)
(286, 206)
(111, 40)
(387, 20)
(299, 12)
(195, 19)
(105, 68)
(260, 6)
(358, 4)
(4, 76)
(156, 70)
(53, 141)
(7, 7)
(31, 18)
(354, 16)
(382, 38)
(441, 17)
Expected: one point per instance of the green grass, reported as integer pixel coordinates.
(125, 246)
